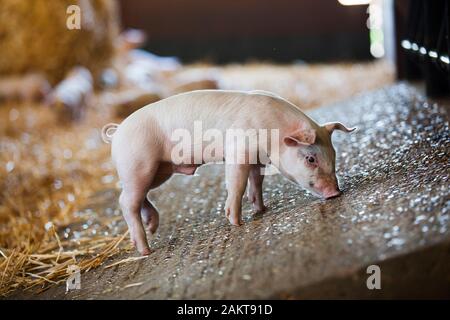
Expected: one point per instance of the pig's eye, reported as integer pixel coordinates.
(311, 160)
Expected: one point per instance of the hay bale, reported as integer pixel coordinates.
(34, 37)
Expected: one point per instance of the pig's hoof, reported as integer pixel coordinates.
(260, 210)
(236, 223)
(145, 252)
(232, 218)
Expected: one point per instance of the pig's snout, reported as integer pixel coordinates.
(328, 188)
(331, 192)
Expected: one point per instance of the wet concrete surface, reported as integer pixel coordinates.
(394, 173)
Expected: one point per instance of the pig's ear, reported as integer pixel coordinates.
(300, 137)
(330, 127)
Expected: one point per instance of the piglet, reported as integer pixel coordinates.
(31, 87)
(146, 150)
(72, 95)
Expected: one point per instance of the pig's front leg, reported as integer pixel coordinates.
(236, 176)
(255, 194)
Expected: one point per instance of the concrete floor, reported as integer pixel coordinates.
(394, 212)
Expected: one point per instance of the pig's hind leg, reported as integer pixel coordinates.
(136, 179)
(150, 216)
(236, 176)
(255, 183)
(149, 213)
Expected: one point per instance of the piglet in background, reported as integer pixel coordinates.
(142, 150)
(31, 87)
(71, 97)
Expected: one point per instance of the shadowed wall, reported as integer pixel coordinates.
(225, 31)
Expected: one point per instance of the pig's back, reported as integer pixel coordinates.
(219, 109)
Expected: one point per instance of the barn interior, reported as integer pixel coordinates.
(67, 68)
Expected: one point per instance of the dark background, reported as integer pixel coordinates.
(224, 31)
